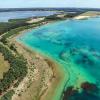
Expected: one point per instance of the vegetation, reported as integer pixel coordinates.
(17, 71)
(7, 26)
(19, 20)
(8, 95)
(52, 17)
(15, 31)
(70, 15)
(10, 33)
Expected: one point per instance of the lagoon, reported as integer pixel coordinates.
(75, 45)
(5, 16)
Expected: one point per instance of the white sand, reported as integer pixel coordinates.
(81, 17)
(34, 20)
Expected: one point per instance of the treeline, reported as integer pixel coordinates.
(8, 95)
(55, 17)
(12, 32)
(17, 71)
(16, 31)
(52, 17)
(71, 15)
(17, 20)
(12, 24)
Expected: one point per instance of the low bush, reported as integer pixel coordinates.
(17, 71)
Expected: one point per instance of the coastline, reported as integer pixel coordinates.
(81, 17)
(86, 15)
(58, 78)
(25, 31)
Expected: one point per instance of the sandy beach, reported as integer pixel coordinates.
(88, 14)
(81, 17)
(54, 75)
(47, 78)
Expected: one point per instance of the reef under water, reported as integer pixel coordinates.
(75, 44)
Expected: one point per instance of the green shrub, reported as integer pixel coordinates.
(52, 17)
(17, 71)
(8, 95)
(7, 26)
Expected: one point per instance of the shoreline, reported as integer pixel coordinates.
(52, 90)
(81, 17)
(86, 15)
(57, 81)
(58, 75)
(58, 71)
(25, 31)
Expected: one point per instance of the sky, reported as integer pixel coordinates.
(49, 3)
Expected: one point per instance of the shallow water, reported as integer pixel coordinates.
(75, 44)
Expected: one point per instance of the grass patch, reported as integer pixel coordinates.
(4, 66)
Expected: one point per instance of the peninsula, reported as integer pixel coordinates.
(29, 74)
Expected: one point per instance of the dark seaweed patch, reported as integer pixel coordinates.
(89, 92)
(69, 93)
(89, 87)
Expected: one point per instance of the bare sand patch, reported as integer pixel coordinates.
(87, 14)
(35, 20)
(4, 66)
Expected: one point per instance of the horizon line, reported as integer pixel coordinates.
(47, 7)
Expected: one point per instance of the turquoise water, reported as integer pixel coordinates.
(75, 45)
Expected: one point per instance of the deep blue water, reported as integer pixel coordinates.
(5, 16)
(75, 44)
